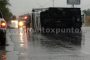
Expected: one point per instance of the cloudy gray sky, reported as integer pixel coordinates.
(19, 7)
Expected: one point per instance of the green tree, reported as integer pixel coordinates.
(87, 12)
(5, 10)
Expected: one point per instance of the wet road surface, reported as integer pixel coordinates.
(34, 46)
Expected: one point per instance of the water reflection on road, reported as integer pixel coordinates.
(52, 44)
(18, 44)
(3, 55)
(35, 46)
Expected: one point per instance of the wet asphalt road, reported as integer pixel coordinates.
(34, 46)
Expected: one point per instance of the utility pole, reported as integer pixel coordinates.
(73, 5)
(53, 3)
(1, 12)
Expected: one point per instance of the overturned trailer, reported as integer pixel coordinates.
(61, 20)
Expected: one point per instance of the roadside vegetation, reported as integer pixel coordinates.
(4, 4)
(87, 17)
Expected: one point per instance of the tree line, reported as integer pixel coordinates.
(5, 10)
(87, 12)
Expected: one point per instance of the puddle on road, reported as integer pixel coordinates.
(41, 46)
(65, 40)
